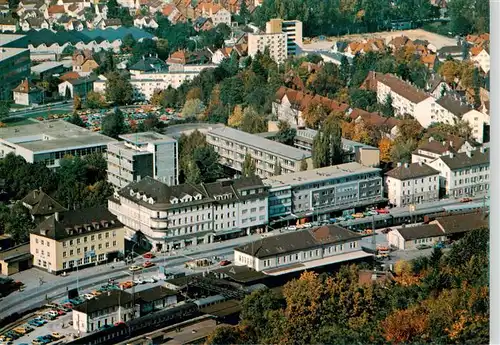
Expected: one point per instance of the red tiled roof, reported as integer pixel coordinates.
(399, 86)
(301, 100)
(56, 9)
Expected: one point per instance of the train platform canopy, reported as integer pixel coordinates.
(239, 274)
(359, 254)
(223, 309)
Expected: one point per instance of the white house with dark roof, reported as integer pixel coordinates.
(464, 174)
(171, 217)
(301, 250)
(429, 150)
(410, 237)
(413, 183)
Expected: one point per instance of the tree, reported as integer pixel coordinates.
(401, 150)
(192, 108)
(236, 117)
(4, 109)
(77, 120)
(277, 169)
(95, 100)
(253, 122)
(118, 89)
(194, 93)
(113, 124)
(77, 103)
(207, 161)
(244, 13)
(303, 164)
(192, 173)
(19, 223)
(385, 146)
(327, 144)
(387, 108)
(249, 167)
(314, 114)
(286, 134)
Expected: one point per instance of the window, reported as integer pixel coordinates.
(78, 250)
(114, 243)
(77, 241)
(107, 244)
(64, 254)
(107, 234)
(99, 237)
(92, 237)
(100, 246)
(70, 242)
(85, 239)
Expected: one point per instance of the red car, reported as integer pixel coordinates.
(147, 264)
(466, 200)
(224, 262)
(60, 312)
(148, 256)
(382, 211)
(119, 323)
(68, 305)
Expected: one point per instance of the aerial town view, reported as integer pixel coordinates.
(228, 172)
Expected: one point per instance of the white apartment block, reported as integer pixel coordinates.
(410, 184)
(276, 44)
(140, 155)
(49, 141)
(173, 217)
(301, 250)
(233, 145)
(293, 31)
(464, 174)
(477, 120)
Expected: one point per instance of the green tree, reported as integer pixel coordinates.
(277, 169)
(244, 13)
(387, 108)
(249, 167)
(193, 173)
(20, 223)
(4, 109)
(207, 161)
(118, 89)
(303, 164)
(327, 144)
(286, 134)
(95, 100)
(192, 108)
(76, 120)
(253, 122)
(113, 124)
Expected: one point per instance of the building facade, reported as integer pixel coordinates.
(276, 43)
(233, 145)
(50, 141)
(76, 238)
(300, 250)
(293, 31)
(140, 155)
(410, 184)
(464, 174)
(321, 193)
(172, 217)
(14, 67)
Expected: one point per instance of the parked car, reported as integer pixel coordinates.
(126, 285)
(386, 230)
(423, 246)
(138, 281)
(225, 262)
(465, 200)
(340, 219)
(150, 280)
(148, 264)
(88, 296)
(148, 256)
(291, 227)
(57, 336)
(119, 323)
(358, 215)
(382, 211)
(135, 268)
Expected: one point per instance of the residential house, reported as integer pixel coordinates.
(145, 22)
(188, 214)
(479, 121)
(173, 14)
(221, 54)
(148, 64)
(410, 184)
(76, 238)
(301, 250)
(289, 105)
(365, 46)
(437, 87)
(84, 62)
(8, 24)
(217, 13)
(155, 299)
(387, 126)
(27, 93)
(455, 52)
(464, 174)
(203, 24)
(430, 149)
(76, 87)
(481, 58)
(429, 60)
(41, 205)
(108, 24)
(399, 42)
(448, 109)
(406, 98)
(34, 24)
(54, 12)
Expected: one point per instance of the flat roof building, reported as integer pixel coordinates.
(233, 145)
(301, 250)
(140, 155)
(14, 67)
(49, 141)
(320, 193)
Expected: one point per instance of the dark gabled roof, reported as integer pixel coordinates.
(462, 160)
(7, 21)
(420, 231)
(453, 105)
(297, 241)
(41, 203)
(84, 80)
(154, 294)
(109, 299)
(148, 64)
(412, 171)
(73, 223)
(462, 222)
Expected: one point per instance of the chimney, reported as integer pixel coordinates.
(56, 216)
(451, 143)
(399, 164)
(481, 149)
(420, 163)
(431, 139)
(469, 154)
(444, 143)
(452, 155)
(406, 165)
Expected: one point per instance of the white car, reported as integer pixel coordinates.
(308, 225)
(88, 296)
(340, 219)
(138, 281)
(373, 212)
(150, 280)
(291, 227)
